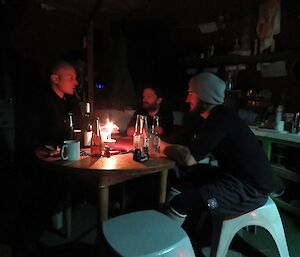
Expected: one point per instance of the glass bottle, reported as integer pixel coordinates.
(229, 83)
(138, 137)
(88, 128)
(296, 123)
(96, 142)
(154, 139)
(145, 131)
(70, 128)
(87, 108)
(279, 113)
(87, 115)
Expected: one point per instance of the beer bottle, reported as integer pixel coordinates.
(96, 142)
(87, 115)
(138, 137)
(87, 132)
(146, 136)
(154, 139)
(70, 128)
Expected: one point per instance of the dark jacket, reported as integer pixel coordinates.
(224, 135)
(165, 119)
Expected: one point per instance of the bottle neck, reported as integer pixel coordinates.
(145, 126)
(141, 125)
(97, 128)
(152, 129)
(137, 124)
(87, 108)
(70, 126)
(70, 120)
(87, 112)
(155, 124)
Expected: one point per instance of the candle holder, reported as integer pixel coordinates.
(106, 137)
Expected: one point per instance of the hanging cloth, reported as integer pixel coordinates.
(268, 23)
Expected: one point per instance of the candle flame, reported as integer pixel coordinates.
(107, 130)
(110, 127)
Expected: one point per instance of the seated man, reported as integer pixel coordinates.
(152, 106)
(42, 189)
(56, 101)
(48, 115)
(242, 180)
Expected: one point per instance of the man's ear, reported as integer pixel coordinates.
(159, 100)
(54, 78)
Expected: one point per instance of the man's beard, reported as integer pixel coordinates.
(199, 108)
(152, 107)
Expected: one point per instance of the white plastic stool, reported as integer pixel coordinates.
(146, 234)
(266, 216)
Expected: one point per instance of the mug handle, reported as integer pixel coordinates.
(62, 152)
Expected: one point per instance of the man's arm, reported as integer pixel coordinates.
(179, 153)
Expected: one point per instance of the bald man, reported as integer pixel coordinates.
(55, 102)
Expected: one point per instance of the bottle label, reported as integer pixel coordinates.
(96, 146)
(154, 145)
(138, 141)
(96, 142)
(135, 142)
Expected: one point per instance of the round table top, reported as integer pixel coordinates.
(118, 164)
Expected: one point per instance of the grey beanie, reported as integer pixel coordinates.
(209, 87)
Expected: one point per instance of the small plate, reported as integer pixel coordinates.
(51, 147)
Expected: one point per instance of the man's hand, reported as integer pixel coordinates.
(179, 153)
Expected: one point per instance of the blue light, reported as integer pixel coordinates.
(100, 86)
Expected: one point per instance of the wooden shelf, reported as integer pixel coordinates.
(236, 59)
(286, 173)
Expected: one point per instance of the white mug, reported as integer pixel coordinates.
(70, 150)
(87, 136)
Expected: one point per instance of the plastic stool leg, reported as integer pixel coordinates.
(216, 234)
(266, 217)
(229, 229)
(223, 233)
(277, 232)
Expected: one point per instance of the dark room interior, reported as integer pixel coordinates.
(119, 47)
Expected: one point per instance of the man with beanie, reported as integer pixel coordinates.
(242, 179)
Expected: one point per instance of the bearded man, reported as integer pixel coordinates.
(241, 180)
(152, 106)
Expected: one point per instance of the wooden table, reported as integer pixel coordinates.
(109, 171)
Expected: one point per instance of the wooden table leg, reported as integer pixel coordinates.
(103, 203)
(123, 198)
(163, 188)
(68, 209)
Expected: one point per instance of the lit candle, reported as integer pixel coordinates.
(107, 130)
(103, 135)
